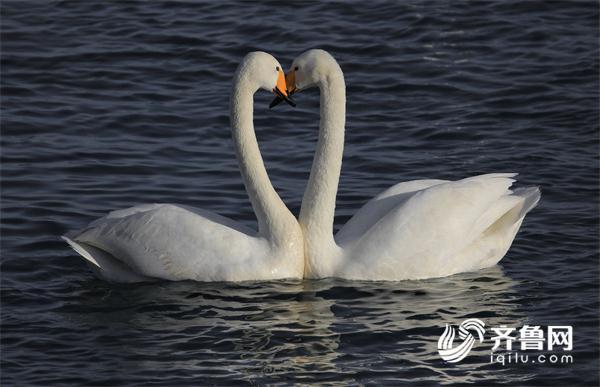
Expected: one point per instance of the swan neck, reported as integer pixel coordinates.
(318, 204)
(272, 214)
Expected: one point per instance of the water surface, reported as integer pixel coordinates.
(110, 104)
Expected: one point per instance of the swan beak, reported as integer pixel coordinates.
(289, 85)
(290, 81)
(281, 92)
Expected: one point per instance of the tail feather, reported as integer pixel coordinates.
(104, 264)
(531, 197)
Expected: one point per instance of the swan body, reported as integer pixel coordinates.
(413, 230)
(167, 241)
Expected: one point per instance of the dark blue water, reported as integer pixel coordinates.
(109, 104)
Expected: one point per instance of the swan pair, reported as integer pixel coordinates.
(416, 229)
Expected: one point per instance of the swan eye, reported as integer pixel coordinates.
(277, 68)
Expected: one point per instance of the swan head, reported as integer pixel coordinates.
(310, 69)
(260, 70)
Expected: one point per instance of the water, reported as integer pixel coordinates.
(109, 104)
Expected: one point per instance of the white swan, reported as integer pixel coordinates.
(173, 242)
(416, 229)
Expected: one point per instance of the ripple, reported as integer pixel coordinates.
(106, 105)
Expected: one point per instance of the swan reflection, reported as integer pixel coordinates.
(294, 329)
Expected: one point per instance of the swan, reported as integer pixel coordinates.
(172, 242)
(413, 230)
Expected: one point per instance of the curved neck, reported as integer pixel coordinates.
(318, 203)
(271, 212)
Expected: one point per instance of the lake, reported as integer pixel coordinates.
(106, 105)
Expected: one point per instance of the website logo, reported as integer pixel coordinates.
(453, 354)
(507, 341)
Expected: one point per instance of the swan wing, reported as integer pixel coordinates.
(171, 242)
(442, 229)
(379, 207)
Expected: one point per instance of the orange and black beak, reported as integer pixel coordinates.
(289, 82)
(281, 92)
